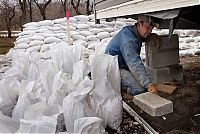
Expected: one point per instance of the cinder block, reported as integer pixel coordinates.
(166, 74)
(153, 104)
(164, 55)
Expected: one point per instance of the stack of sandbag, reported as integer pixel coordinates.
(58, 81)
(189, 41)
(40, 95)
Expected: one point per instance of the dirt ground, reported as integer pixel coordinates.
(185, 118)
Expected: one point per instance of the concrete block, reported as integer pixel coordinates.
(152, 104)
(166, 74)
(164, 55)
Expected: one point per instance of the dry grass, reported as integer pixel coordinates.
(6, 44)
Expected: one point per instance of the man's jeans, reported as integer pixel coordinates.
(130, 83)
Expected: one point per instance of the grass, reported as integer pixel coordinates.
(6, 44)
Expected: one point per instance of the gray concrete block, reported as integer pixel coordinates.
(153, 104)
(166, 74)
(164, 55)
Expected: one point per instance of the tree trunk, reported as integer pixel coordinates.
(30, 11)
(20, 23)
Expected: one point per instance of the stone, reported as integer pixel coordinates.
(166, 74)
(152, 104)
(166, 54)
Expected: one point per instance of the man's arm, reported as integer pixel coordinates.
(134, 62)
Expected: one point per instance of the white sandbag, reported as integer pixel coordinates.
(45, 125)
(45, 55)
(100, 49)
(72, 19)
(46, 23)
(197, 39)
(96, 30)
(197, 52)
(42, 109)
(79, 37)
(10, 53)
(92, 38)
(62, 34)
(110, 71)
(49, 40)
(108, 24)
(66, 40)
(81, 42)
(72, 28)
(120, 23)
(33, 49)
(55, 28)
(46, 47)
(83, 26)
(36, 43)
(37, 37)
(31, 24)
(91, 17)
(43, 30)
(9, 89)
(23, 40)
(185, 53)
(47, 73)
(62, 86)
(107, 89)
(72, 56)
(57, 55)
(80, 71)
(106, 40)
(59, 21)
(30, 29)
(75, 104)
(109, 29)
(40, 118)
(112, 34)
(22, 104)
(72, 33)
(22, 46)
(89, 125)
(86, 33)
(103, 35)
(190, 33)
(8, 124)
(27, 33)
(4, 69)
(93, 25)
(93, 44)
(82, 18)
(114, 111)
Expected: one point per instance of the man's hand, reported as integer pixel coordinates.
(152, 89)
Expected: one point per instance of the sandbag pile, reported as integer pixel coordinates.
(189, 41)
(61, 85)
(55, 82)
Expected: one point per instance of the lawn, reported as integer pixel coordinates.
(6, 44)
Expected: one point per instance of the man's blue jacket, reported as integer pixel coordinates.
(127, 45)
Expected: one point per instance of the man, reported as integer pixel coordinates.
(127, 45)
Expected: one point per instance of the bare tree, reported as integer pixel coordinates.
(64, 5)
(30, 10)
(7, 9)
(23, 7)
(75, 4)
(89, 7)
(42, 7)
